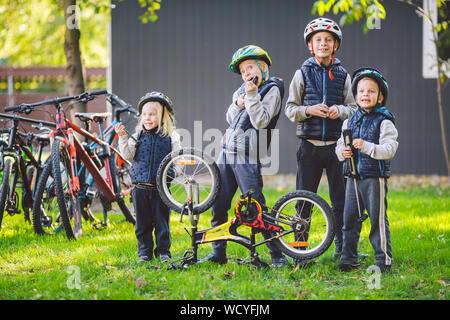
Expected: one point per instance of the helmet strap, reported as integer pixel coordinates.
(161, 123)
(264, 74)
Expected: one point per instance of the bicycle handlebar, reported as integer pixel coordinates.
(28, 107)
(115, 101)
(40, 122)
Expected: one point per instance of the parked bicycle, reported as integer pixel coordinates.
(67, 155)
(301, 223)
(19, 164)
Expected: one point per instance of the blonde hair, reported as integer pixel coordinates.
(166, 127)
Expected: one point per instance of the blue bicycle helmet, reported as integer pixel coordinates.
(368, 72)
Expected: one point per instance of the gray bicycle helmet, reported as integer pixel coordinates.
(159, 97)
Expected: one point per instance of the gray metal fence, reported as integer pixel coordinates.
(185, 54)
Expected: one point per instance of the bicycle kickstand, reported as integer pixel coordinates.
(254, 257)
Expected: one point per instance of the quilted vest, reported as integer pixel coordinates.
(318, 88)
(242, 123)
(366, 126)
(150, 152)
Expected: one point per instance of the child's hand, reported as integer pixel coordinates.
(250, 86)
(347, 152)
(333, 112)
(358, 143)
(120, 129)
(240, 101)
(319, 110)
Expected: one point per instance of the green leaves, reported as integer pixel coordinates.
(151, 6)
(372, 10)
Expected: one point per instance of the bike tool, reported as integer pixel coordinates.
(348, 140)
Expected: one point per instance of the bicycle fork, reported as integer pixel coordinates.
(74, 183)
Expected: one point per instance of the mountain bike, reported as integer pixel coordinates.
(67, 152)
(20, 164)
(188, 182)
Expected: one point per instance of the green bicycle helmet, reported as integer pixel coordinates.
(158, 97)
(367, 72)
(246, 53)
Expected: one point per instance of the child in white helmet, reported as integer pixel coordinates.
(320, 99)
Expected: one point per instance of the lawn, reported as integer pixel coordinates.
(103, 263)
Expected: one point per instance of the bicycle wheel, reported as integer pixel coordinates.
(118, 184)
(308, 224)
(68, 204)
(186, 170)
(4, 187)
(45, 213)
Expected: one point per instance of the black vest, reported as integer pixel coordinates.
(150, 152)
(242, 120)
(366, 126)
(318, 87)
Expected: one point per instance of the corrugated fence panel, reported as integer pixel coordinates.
(186, 52)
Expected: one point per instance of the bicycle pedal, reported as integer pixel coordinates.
(92, 193)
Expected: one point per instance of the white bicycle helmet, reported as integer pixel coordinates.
(322, 24)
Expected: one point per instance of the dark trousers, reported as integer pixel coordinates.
(372, 197)
(246, 176)
(311, 160)
(151, 215)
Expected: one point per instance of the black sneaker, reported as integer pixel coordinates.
(279, 262)
(348, 266)
(220, 259)
(143, 259)
(383, 267)
(164, 258)
(303, 264)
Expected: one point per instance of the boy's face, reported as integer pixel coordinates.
(323, 44)
(249, 69)
(150, 116)
(367, 94)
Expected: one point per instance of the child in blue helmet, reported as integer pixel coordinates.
(157, 138)
(374, 139)
(255, 108)
(320, 99)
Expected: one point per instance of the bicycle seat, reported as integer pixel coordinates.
(43, 138)
(96, 117)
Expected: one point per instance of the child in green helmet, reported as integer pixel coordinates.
(255, 108)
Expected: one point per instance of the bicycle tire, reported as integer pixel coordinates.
(116, 182)
(164, 181)
(302, 244)
(45, 196)
(4, 187)
(60, 156)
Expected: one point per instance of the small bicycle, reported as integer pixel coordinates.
(300, 224)
(20, 167)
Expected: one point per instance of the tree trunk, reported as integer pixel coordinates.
(75, 73)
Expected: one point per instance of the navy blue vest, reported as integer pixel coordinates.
(242, 120)
(318, 87)
(366, 126)
(149, 153)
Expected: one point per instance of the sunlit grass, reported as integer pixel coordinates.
(105, 261)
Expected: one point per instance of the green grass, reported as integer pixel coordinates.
(104, 261)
